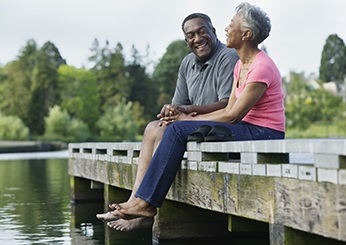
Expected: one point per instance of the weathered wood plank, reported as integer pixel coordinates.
(314, 207)
(304, 198)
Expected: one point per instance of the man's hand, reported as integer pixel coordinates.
(178, 117)
(168, 110)
(171, 113)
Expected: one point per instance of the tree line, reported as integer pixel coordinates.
(42, 97)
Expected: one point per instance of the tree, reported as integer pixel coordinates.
(44, 86)
(306, 105)
(165, 74)
(297, 102)
(113, 81)
(333, 60)
(118, 123)
(61, 126)
(16, 82)
(12, 128)
(143, 89)
(77, 92)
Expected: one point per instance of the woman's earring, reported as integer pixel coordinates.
(243, 39)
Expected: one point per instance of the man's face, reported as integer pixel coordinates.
(200, 38)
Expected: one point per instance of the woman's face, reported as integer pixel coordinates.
(200, 38)
(234, 32)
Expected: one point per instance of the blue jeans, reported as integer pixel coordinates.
(169, 154)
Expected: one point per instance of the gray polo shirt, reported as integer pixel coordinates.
(203, 84)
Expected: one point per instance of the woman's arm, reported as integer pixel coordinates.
(236, 109)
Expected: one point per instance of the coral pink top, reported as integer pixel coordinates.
(269, 110)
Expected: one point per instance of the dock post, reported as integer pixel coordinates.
(181, 221)
(81, 190)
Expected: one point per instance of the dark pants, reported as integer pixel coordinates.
(169, 154)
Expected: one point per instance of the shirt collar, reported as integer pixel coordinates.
(212, 58)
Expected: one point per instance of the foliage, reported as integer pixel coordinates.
(60, 126)
(333, 60)
(115, 98)
(44, 86)
(118, 80)
(77, 92)
(16, 82)
(166, 72)
(143, 90)
(340, 120)
(306, 105)
(317, 130)
(113, 81)
(118, 123)
(296, 100)
(12, 128)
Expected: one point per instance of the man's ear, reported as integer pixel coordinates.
(214, 31)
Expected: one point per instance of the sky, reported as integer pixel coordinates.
(299, 27)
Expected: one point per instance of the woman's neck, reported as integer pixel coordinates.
(247, 54)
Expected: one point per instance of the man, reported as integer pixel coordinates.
(204, 84)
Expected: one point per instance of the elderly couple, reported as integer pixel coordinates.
(235, 87)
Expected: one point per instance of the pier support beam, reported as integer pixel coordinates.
(112, 237)
(81, 190)
(181, 221)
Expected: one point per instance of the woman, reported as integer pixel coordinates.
(255, 111)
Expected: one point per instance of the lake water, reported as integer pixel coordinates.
(35, 203)
(35, 207)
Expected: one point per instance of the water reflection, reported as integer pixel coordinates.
(35, 208)
(35, 203)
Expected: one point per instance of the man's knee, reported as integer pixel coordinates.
(154, 128)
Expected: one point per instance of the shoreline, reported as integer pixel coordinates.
(31, 146)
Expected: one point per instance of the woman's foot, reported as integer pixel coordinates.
(133, 209)
(131, 225)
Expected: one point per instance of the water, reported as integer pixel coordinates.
(35, 207)
(35, 203)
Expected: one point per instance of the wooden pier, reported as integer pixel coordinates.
(291, 191)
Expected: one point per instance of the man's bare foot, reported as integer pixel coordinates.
(131, 225)
(134, 209)
(107, 217)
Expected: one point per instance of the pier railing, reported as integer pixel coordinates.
(295, 189)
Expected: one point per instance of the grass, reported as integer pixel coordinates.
(316, 131)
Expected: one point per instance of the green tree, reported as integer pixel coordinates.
(16, 82)
(327, 106)
(297, 102)
(12, 128)
(113, 80)
(61, 126)
(44, 86)
(165, 74)
(77, 92)
(143, 89)
(118, 123)
(333, 60)
(306, 105)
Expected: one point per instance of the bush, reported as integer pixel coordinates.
(12, 128)
(118, 123)
(60, 126)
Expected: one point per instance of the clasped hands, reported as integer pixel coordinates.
(171, 113)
